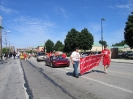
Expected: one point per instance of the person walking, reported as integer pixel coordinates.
(75, 58)
(106, 58)
(14, 54)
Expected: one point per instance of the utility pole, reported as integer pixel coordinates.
(102, 31)
(1, 37)
(6, 39)
(9, 47)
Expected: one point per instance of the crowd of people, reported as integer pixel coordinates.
(22, 55)
(10, 55)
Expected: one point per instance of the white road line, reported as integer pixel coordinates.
(120, 88)
(122, 66)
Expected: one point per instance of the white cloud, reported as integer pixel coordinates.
(7, 10)
(33, 30)
(127, 6)
(60, 10)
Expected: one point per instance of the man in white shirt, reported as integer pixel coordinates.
(75, 58)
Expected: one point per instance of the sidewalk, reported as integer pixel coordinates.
(122, 60)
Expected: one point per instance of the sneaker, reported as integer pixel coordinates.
(105, 72)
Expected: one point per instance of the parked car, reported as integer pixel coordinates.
(130, 55)
(41, 56)
(84, 54)
(125, 54)
(97, 52)
(57, 61)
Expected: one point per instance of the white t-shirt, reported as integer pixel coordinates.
(75, 56)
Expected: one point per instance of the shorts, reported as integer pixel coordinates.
(106, 61)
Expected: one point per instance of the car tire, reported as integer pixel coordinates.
(46, 64)
(51, 65)
(37, 60)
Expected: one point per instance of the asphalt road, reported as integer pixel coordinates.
(44, 82)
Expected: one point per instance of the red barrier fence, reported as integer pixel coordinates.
(89, 62)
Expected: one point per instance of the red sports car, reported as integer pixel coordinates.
(57, 61)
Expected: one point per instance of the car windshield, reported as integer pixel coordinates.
(41, 53)
(57, 57)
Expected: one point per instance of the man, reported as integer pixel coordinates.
(75, 58)
(106, 58)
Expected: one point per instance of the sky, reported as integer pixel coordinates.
(29, 23)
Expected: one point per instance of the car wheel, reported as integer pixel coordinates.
(37, 60)
(45, 64)
(51, 65)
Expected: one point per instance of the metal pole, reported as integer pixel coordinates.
(102, 32)
(5, 41)
(9, 47)
(1, 37)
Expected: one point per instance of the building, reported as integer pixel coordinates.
(96, 47)
(122, 48)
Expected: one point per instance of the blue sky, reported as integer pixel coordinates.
(30, 23)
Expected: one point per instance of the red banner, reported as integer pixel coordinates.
(89, 62)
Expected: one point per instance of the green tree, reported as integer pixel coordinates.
(128, 34)
(103, 42)
(0, 35)
(122, 43)
(61, 48)
(85, 40)
(1, 27)
(58, 46)
(4, 50)
(71, 40)
(49, 45)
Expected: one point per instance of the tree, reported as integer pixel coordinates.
(122, 43)
(1, 27)
(128, 34)
(71, 40)
(85, 40)
(103, 42)
(4, 50)
(49, 45)
(58, 46)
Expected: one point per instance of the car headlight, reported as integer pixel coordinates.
(54, 61)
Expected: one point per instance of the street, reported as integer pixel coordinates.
(29, 79)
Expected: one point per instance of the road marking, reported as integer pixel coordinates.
(113, 86)
(120, 88)
(68, 68)
(122, 66)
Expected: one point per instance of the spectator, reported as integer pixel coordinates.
(14, 54)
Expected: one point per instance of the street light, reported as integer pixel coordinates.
(102, 31)
(6, 38)
(1, 36)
